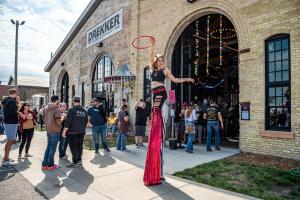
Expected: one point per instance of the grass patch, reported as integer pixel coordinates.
(88, 142)
(255, 180)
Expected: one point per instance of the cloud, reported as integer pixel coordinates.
(47, 23)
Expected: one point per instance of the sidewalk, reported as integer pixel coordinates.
(118, 175)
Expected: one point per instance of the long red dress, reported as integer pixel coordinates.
(152, 171)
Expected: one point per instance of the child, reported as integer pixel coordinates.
(112, 122)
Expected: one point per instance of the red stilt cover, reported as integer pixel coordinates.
(152, 167)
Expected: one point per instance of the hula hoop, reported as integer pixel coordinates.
(142, 36)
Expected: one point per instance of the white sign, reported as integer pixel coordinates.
(108, 27)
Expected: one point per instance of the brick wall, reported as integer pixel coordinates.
(254, 21)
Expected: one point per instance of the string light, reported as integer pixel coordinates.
(207, 48)
(221, 39)
(196, 62)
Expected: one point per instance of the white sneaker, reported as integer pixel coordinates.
(20, 156)
(8, 163)
(27, 155)
(64, 158)
(79, 162)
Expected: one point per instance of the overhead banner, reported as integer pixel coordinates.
(108, 27)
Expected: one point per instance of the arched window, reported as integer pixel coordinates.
(64, 91)
(278, 85)
(103, 68)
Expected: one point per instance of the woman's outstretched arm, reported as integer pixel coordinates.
(170, 76)
(151, 52)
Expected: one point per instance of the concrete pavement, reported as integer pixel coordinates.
(118, 175)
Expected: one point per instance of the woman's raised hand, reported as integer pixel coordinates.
(152, 41)
(190, 80)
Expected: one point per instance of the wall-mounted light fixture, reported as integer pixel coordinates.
(191, 1)
(62, 64)
(100, 45)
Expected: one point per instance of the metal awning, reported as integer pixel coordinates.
(121, 74)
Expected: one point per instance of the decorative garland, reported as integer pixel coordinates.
(207, 48)
(221, 39)
(226, 36)
(196, 62)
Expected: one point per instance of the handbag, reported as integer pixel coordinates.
(189, 129)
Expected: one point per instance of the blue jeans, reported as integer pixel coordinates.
(114, 129)
(199, 132)
(52, 140)
(190, 141)
(213, 126)
(121, 142)
(96, 130)
(63, 144)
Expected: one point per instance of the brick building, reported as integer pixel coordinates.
(243, 53)
(31, 89)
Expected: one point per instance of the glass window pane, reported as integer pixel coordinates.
(271, 57)
(271, 101)
(285, 55)
(278, 76)
(278, 45)
(271, 46)
(272, 117)
(272, 67)
(285, 101)
(272, 92)
(271, 77)
(282, 117)
(278, 55)
(278, 91)
(285, 75)
(285, 44)
(278, 66)
(285, 65)
(278, 101)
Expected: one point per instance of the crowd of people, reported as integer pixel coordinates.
(197, 119)
(67, 127)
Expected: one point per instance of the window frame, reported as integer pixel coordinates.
(275, 84)
(104, 63)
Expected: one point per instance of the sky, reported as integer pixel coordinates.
(47, 22)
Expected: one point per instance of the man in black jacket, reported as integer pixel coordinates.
(75, 125)
(10, 112)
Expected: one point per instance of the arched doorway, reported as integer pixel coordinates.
(207, 50)
(64, 91)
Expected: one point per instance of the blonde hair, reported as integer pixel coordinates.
(189, 111)
(154, 64)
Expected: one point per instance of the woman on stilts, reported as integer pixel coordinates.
(153, 169)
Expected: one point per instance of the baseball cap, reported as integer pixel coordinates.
(76, 98)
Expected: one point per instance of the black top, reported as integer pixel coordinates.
(200, 121)
(212, 113)
(77, 119)
(140, 117)
(158, 75)
(10, 111)
(98, 115)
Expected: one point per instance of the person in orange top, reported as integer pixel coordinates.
(27, 120)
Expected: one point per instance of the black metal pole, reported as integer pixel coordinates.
(16, 54)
